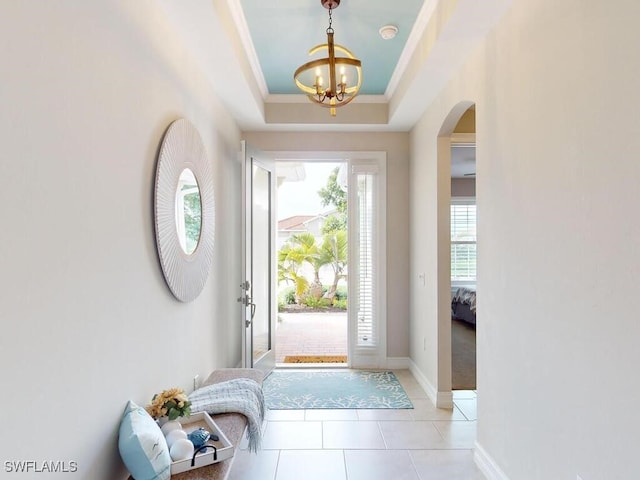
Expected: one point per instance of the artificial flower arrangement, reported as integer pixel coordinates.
(172, 403)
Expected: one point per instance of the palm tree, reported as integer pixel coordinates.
(333, 252)
(289, 263)
(306, 243)
(300, 248)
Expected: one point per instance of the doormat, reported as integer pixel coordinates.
(284, 390)
(315, 359)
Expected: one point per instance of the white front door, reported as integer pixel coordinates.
(258, 290)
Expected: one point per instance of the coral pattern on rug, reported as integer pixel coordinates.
(349, 389)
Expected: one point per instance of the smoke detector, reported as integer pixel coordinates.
(388, 32)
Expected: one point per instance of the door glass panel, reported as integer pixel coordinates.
(261, 285)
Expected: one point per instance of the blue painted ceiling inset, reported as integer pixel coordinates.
(283, 31)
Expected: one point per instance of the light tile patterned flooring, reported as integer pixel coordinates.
(424, 443)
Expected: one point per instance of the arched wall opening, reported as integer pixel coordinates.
(459, 125)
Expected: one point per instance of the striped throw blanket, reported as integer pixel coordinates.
(240, 395)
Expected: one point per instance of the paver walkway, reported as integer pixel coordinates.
(311, 334)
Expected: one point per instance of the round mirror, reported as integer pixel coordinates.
(188, 211)
(184, 210)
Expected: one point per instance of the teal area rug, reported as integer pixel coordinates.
(349, 389)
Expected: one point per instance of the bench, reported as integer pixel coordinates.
(232, 424)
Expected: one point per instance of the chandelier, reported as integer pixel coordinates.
(339, 70)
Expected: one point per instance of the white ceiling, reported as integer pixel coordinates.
(463, 161)
(217, 35)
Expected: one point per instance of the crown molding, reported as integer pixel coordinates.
(245, 37)
(463, 139)
(301, 98)
(428, 7)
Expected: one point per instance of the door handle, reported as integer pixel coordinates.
(247, 323)
(246, 301)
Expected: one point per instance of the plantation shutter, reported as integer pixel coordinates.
(367, 318)
(463, 240)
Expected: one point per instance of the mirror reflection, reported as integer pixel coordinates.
(188, 211)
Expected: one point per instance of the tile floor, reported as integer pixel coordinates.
(424, 443)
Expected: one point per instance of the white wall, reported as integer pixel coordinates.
(555, 87)
(397, 147)
(87, 91)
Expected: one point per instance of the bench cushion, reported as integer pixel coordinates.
(232, 424)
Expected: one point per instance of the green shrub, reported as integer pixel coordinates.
(315, 302)
(340, 303)
(341, 293)
(288, 296)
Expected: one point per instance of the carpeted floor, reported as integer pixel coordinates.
(463, 349)
(287, 390)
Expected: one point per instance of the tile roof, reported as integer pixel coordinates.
(295, 223)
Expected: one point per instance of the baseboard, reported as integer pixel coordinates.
(487, 464)
(398, 363)
(439, 399)
(423, 381)
(444, 400)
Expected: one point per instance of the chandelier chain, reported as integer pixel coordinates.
(330, 29)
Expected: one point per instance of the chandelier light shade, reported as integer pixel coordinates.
(330, 81)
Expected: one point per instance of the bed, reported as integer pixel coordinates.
(463, 305)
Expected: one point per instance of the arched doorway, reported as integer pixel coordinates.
(458, 127)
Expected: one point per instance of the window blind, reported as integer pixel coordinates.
(367, 334)
(463, 241)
